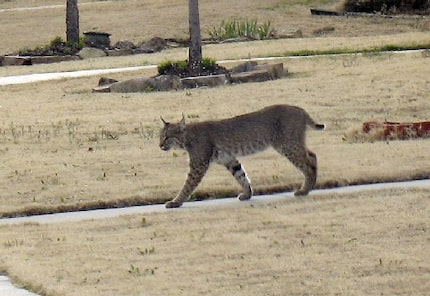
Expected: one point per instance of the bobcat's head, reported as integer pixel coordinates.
(172, 135)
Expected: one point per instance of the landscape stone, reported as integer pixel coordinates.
(289, 33)
(119, 52)
(32, 60)
(323, 31)
(253, 76)
(244, 67)
(91, 52)
(133, 85)
(124, 45)
(252, 73)
(16, 61)
(204, 81)
(106, 81)
(155, 44)
(276, 71)
(102, 88)
(168, 82)
(143, 84)
(52, 59)
(234, 40)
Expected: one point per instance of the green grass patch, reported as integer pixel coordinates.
(372, 50)
(285, 5)
(56, 46)
(181, 67)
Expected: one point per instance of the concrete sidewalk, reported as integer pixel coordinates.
(7, 289)
(255, 200)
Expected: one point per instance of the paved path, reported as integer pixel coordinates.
(63, 6)
(7, 289)
(29, 78)
(109, 213)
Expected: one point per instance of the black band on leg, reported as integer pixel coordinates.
(236, 168)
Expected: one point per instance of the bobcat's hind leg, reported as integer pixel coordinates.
(238, 172)
(310, 171)
(306, 161)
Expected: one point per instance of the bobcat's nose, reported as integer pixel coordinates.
(164, 147)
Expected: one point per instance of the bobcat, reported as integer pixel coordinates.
(280, 126)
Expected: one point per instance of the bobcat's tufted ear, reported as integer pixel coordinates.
(162, 119)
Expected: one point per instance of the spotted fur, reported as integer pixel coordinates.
(282, 127)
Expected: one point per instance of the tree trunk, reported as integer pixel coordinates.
(72, 21)
(195, 49)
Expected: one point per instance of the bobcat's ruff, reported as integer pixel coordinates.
(282, 127)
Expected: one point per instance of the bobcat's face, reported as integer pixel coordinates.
(171, 135)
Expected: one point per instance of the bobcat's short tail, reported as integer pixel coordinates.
(317, 126)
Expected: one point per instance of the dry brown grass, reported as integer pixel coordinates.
(354, 244)
(64, 147)
(140, 20)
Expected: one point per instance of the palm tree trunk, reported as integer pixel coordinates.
(195, 49)
(72, 21)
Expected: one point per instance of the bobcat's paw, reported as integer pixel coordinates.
(244, 196)
(172, 204)
(301, 192)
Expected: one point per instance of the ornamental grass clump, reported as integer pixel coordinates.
(241, 28)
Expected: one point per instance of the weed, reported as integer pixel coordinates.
(146, 132)
(56, 46)
(13, 243)
(72, 131)
(149, 88)
(191, 116)
(146, 251)
(103, 177)
(208, 66)
(208, 63)
(150, 271)
(165, 67)
(56, 41)
(144, 222)
(265, 30)
(134, 270)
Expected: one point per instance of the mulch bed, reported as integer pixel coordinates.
(399, 130)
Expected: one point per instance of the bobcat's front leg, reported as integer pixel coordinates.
(195, 175)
